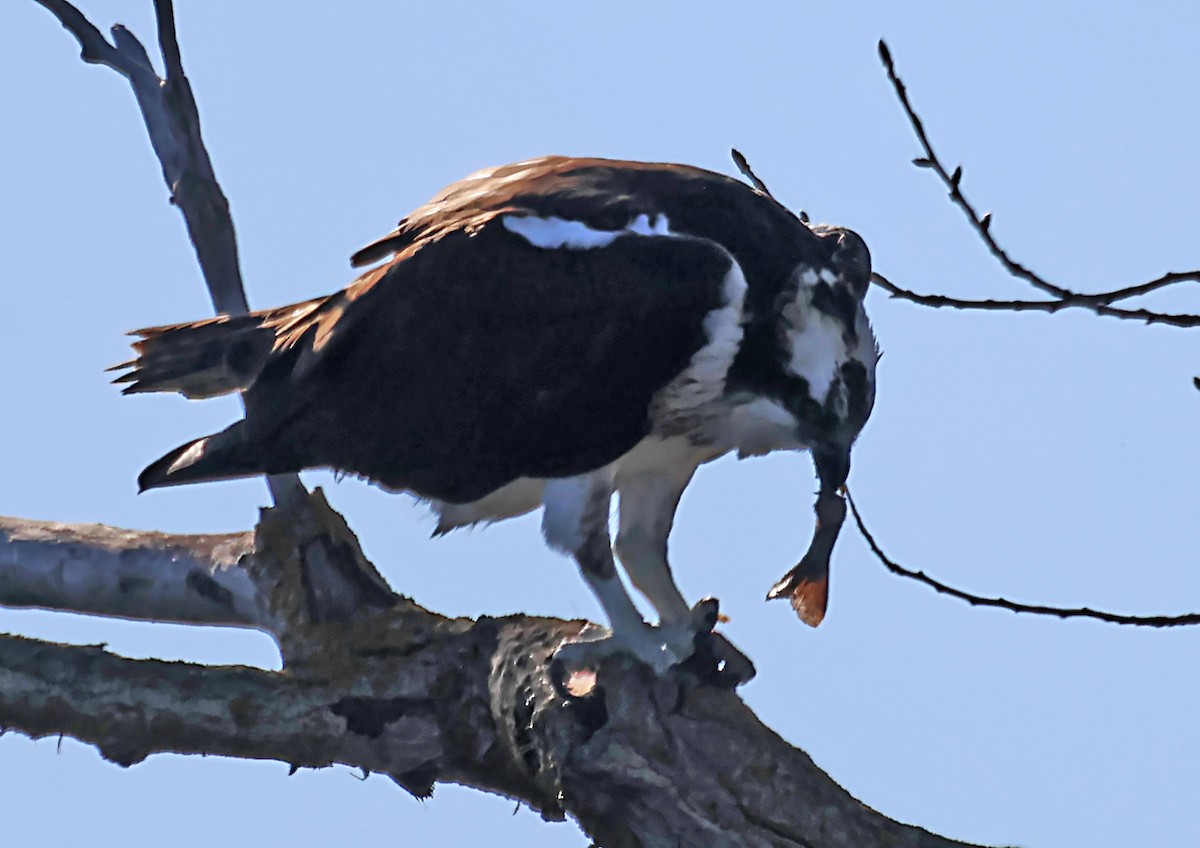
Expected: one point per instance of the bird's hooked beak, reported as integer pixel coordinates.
(807, 585)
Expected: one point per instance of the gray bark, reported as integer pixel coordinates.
(90, 568)
(392, 688)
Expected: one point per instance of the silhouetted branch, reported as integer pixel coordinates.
(938, 301)
(1099, 302)
(1183, 620)
(748, 172)
(744, 166)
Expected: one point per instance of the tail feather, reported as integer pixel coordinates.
(199, 360)
(221, 456)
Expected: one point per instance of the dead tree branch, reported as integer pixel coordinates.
(173, 123)
(1099, 302)
(639, 761)
(99, 570)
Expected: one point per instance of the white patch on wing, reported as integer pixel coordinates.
(516, 498)
(552, 233)
(644, 225)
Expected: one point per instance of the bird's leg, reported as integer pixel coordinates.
(576, 521)
(647, 511)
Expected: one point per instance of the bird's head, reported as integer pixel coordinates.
(831, 356)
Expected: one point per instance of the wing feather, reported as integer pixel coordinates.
(479, 358)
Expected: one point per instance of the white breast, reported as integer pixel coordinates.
(752, 429)
(516, 498)
(758, 427)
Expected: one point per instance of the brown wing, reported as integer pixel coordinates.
(479, 358)
(474, 357)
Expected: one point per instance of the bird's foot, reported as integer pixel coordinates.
(717, 662)
(687, 643)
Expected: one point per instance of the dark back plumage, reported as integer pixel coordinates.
(473, 357)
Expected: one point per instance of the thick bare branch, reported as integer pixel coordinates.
(1099, 302)
(1182, 620)
(640, 761)
(130, 709)
(143, 576)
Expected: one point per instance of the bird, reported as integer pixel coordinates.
(553, 333)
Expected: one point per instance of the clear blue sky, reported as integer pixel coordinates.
(1048, 458)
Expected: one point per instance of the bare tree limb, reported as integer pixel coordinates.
(1183, 620)
(1099, 302)
(194, 186)
(169, 113)
(130, 709)
(173, 123)
(142, 576)
(641, 760)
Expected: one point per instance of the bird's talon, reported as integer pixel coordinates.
(688, 644)
(705, 614)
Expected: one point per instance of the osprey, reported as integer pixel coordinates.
(549, 333)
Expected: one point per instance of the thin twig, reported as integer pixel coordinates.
(743, 165)
(1100, 302)
(748, 172)
(937, 301)
(1002, 603)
